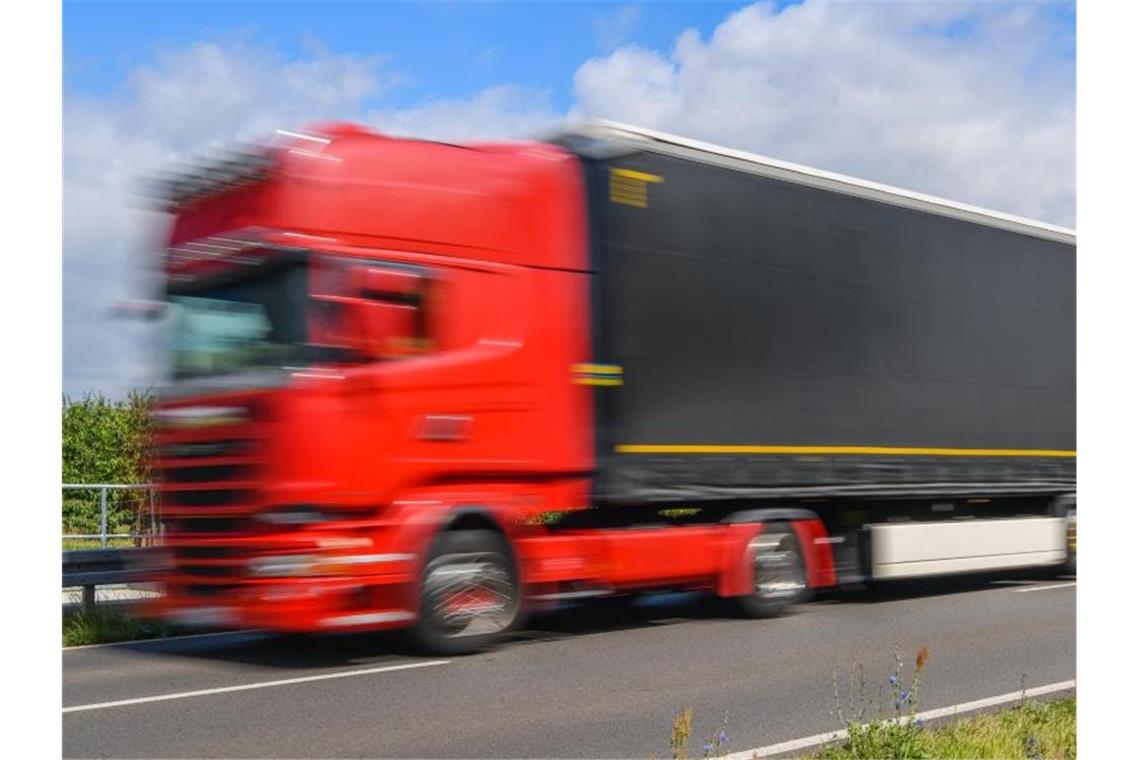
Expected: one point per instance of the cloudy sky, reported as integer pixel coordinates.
(973, 102)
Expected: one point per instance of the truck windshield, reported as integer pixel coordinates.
(259, 321)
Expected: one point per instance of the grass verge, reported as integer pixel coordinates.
(1033, 729)
(111, 623)
(84, 544)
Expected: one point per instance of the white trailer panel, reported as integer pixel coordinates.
(906, 550)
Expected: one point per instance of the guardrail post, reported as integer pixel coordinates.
(153, 524)
(89, 598)
(102, 528)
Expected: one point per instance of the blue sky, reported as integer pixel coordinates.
(445, 49)
(969, 101)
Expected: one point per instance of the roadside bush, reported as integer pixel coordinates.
(106, 441)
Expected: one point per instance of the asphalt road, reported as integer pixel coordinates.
(586, 681)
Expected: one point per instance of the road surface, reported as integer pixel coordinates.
(586, 681)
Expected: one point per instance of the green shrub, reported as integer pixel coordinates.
(106, 441)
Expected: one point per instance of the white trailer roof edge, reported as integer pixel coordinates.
(683, 147)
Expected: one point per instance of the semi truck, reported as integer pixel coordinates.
(437, 386)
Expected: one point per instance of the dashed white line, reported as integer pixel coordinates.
(1043, 588)
(258, 685)
(942, 712)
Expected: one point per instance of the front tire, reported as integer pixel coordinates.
(469, 593)
(779, 575)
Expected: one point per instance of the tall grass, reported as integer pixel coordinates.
(110, 623)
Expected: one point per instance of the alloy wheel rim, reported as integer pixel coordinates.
(470, 594)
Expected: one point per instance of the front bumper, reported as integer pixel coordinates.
(297, 605)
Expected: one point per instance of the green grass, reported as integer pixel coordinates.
(71, 544)
(1033, 729)
(111, 623)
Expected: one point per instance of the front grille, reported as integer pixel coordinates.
(207, 474)
(209, 485)
(214, 497)
(213, 589)
(197, 525)
(204, 449)
(212, 571)
(204, 552)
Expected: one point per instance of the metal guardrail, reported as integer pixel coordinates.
(103, 488)
(103, 567)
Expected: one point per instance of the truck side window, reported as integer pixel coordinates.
(376, 309)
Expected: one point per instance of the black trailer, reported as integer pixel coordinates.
(782, 332)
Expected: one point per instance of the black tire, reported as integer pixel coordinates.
(779, 573)
(462, 564)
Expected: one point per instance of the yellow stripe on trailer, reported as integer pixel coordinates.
(839, 450)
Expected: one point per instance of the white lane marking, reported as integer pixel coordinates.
(168, 638)
(1042, 588)
(258, 685)
(965, 707)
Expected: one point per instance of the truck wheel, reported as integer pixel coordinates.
(469, 593)
(779, 577)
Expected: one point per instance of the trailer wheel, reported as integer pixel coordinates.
(778, 572)
(469, 593)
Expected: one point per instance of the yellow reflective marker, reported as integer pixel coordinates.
(630, 187)
(636, 175)
(597, 374)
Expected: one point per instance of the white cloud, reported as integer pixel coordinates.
(967, 102)
(504, 111)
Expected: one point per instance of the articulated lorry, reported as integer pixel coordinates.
(437, 386)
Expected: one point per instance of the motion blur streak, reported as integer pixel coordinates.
(611, 361)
